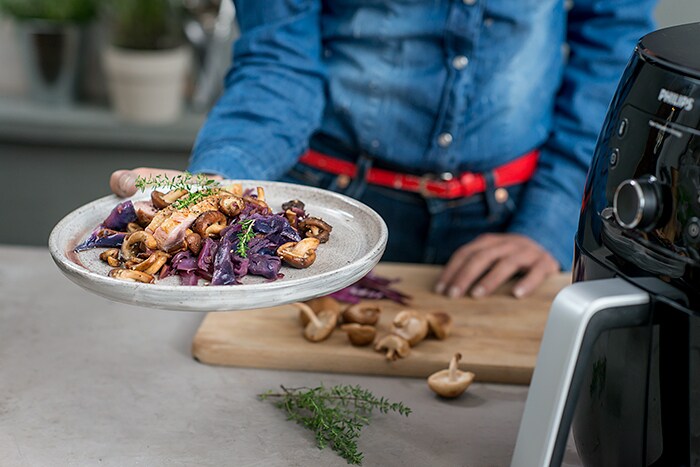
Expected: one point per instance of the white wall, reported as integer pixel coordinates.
(672, 12)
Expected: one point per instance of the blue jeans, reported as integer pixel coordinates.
(421, 230)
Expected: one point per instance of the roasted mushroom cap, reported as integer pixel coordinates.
(194, 242)
(231, 205)
(209, 224)
(295, 203)
(320, 326)
(299, 254)
(362, 314)
(410, 325)
(111, 257)
(161, 201)
(320, 304)
(395, 346)
(131, 275)
(359, 334)
(451, 382)
(315, 228)
(440, 324)
(134, 243)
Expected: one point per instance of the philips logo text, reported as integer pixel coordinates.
(676, 100)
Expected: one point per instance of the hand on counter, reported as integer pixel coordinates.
(123, 182)
(481, 266)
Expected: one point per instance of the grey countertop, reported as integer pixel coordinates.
(86, 382)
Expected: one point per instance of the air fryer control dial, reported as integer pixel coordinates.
(638, 204)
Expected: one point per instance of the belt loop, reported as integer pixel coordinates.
(359, 182)
(493, 206)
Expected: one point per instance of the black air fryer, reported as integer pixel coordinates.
(620, 357)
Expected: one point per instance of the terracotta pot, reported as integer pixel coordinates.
(147, 86)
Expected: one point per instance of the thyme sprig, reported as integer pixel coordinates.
(199, 186)
(244, 236)
(336, 415)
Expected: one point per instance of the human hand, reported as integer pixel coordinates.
(123, 182)
(481, 266)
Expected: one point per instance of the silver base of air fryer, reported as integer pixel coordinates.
(578, 315)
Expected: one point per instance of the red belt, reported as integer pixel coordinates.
(448, 186)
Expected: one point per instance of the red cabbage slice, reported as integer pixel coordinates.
(372, 287)
(266, 266)
(120, 216)
(102, 238)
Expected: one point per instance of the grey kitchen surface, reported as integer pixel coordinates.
(85, 382)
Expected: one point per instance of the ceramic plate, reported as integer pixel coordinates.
(357, 243)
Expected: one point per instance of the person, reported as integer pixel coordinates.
(467, 125)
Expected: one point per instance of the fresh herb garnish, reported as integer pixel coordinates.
(199, 186)
(244, 236)
(336, 415)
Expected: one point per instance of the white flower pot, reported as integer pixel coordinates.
(147, 86)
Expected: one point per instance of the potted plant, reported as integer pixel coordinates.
(146, 62)
(50, 35)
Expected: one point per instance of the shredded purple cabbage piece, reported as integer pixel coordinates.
(110, 234)
(371, 287)
(120, 216)
(102, 238)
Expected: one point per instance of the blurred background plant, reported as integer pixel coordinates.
(72, 11)
(145, 24)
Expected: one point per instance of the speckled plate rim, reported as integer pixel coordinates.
(245, 296)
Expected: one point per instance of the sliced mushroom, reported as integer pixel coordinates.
(440, 324)
(360, 334)
(209, 224)
(320, 326)
(261, 193)
(194, 242)
(396, 347)
(235, 189)
(362, 314)
(295, 203)
(161, 201)
(410, 325)
(153, 263)
(315, 228)
(257, 202)
(231, 205)
(111, 257)
(132, 227)
(451, 382)
(131, 275)
(291, 217)
(300, 254)
(137, 242)
(320, 304)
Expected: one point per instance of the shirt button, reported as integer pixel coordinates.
(469, 2)
(444, 140)
(460, 62)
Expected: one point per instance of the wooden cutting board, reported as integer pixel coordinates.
(498, 336)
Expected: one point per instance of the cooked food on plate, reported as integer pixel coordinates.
(198, 229)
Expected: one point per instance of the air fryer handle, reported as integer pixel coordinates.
(579, 314)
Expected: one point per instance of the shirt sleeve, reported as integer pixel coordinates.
(601, 36)
(273, 97)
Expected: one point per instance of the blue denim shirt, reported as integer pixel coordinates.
(431, 85)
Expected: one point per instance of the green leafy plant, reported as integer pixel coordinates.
(74, 11)
(145, 24)
(336, 415)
